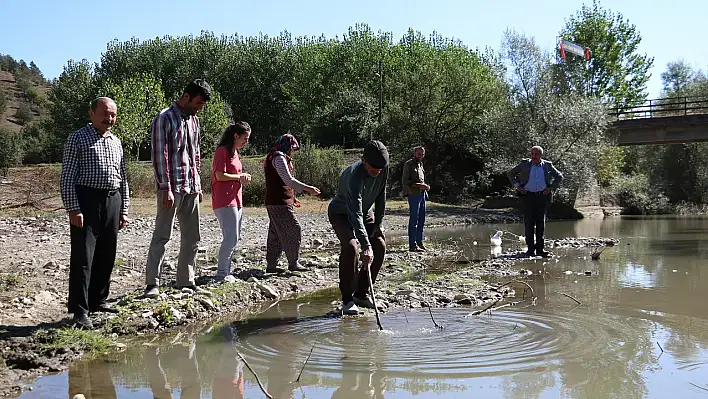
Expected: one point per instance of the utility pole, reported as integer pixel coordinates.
(381, 78)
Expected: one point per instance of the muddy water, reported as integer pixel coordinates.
(647, 294)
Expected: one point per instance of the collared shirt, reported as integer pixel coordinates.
(537, 178)
(92, 160)
(175, 151)
(413, 172)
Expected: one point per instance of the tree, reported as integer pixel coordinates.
(213, 120)
(10, 149)
(24, 113)
(569, 126)
(3, 101)
(617, 72)
(676, 78)
(70, 97)
(139, 99)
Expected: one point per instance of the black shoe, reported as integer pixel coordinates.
(104, 309)
(543, 254)
(82, 321)
(528, 254)
(422, 248)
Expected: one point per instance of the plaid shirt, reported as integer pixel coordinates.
(92, 160)
(175, 151)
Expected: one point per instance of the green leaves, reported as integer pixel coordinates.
(617, 72)
(139, 100)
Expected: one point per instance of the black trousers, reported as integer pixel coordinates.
(535, 208)
(93, 249)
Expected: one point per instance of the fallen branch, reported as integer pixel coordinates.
(499, 307)
(662, 349)
(258, 380)
(571, 297)
(434, 322)
(478, 312)
(305, 364)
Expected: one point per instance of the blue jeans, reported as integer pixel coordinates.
(417, 218)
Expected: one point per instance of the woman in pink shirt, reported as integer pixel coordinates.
(227, 179)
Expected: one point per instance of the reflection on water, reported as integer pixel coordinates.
(652, 288)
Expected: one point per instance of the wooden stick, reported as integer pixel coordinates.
(373, 297)
(305, 364)
(434, 322)
(569, 296)
(478, 312)
(662, 349)
(698, 386)
(258, 380)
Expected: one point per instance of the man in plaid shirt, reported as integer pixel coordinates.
(94, 191)
(177, 162)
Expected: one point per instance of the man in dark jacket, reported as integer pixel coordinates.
(362, 186)
(535, 179)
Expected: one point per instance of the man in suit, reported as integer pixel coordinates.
(535, 179)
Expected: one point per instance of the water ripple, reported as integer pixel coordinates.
(522, 339)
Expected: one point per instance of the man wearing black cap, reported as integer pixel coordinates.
(362, 186)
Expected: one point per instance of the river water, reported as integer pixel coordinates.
(641, 331)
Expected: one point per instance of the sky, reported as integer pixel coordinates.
(51, 32)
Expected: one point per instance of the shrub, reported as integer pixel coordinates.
(3, 101)
(10, 150)
(637, 197)
(24, 113)
(319, 167)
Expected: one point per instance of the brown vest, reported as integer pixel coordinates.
(277, 192)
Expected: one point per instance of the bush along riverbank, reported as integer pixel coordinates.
(442, 277)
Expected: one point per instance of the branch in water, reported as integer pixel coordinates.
(434, 322)
(569, 296)
(258, 380)
(305, 364)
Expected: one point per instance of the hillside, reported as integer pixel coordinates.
(33, 101)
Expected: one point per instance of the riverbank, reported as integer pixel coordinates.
(34, 277)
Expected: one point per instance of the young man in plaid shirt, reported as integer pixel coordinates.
(177, 163)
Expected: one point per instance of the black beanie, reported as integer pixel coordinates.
(376, 154)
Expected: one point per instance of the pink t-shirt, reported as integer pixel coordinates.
(225, 193)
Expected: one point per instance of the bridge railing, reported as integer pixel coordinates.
(662, 107)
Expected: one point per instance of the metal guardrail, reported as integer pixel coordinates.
(661, 108)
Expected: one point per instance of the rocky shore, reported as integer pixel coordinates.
(34, 278)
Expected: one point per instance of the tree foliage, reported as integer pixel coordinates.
(617, 71)
(569, 127)
(139, 99)
(10, 149)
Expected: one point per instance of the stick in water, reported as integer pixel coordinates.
(258, 380)
(373, 296)
(662, 349)
(434, 322)
(566, 295)
(305, 364)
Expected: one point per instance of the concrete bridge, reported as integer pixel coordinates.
(662, 121)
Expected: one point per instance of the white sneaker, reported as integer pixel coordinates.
(350, 309)
(226, 279)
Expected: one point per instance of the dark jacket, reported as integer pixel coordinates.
(519, 174)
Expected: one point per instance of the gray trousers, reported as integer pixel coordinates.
(230, 218)
(186, 210)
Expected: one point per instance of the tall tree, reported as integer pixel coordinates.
(617, 71)
(677, 77)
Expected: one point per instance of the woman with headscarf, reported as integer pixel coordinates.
(284, 233)
(227, 180)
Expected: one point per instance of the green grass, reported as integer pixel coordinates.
(90, 341)
(11, 280)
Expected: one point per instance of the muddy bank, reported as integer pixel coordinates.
(35, 272)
